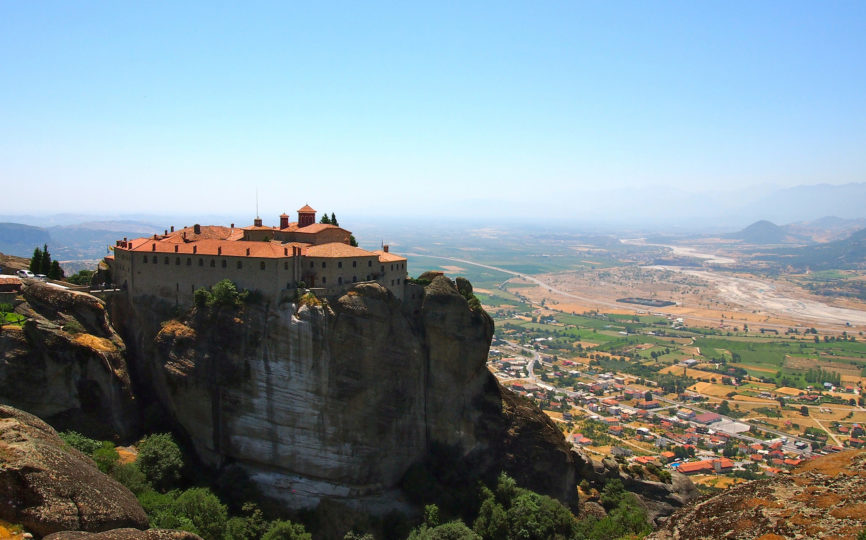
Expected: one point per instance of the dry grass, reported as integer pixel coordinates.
(95, 343)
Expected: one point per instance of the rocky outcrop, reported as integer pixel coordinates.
(659, 499)
(67, 364)
(49, 487)
(823, 498)
(125, 534)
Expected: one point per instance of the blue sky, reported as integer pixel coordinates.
(421, 109)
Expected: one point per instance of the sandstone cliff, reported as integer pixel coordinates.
(823, 498)
(338, 399)
(67, 364)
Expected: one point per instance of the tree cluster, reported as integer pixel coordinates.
(41, 263)
(155, 479)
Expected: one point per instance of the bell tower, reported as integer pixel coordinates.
(306, 216)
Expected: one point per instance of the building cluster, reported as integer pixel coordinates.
(270, 260)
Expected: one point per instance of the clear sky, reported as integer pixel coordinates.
(421, 108)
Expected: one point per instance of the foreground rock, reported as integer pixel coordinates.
(67, 365)
(49, 487)
(823, 498)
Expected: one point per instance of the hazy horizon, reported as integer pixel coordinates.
(439, 110)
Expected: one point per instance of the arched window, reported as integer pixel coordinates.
(339, 281)
(212, 263)
(224, 263)
(369, 263)
(354, 264)
(324, 264)
(339, 264)
(240, 265)
(145, 259)
(189, 261)
(262, 265)
(324, 280)
(166, 260)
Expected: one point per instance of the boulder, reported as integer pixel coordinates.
(48, 486)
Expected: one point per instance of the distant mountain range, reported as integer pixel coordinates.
(846, 254)
(81, 241)
(822, 230)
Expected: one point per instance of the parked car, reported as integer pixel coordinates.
(41, 277)
(25, 274)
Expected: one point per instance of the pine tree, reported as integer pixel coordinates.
(55, 272)
(325, 219)
(45, 264)
(36, 261)
(334, 220)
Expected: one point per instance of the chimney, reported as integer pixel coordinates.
(153, 247)
(196, 228)
(165, 233)
(172, 228)
(219, 250)
(175, 248)
(385, 248)
(233, 225)
(184, 236)
(248, 252)
(284, 221)
(124, 239)
(194, 249)
(286, 252)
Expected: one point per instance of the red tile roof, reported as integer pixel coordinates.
(306, 208)
(336, 249)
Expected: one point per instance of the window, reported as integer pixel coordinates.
(166, 260)
(224, 263)
(324, 280)
(398, 281)
(200, 261)
(383, 268)
(240, 265)
(368, 277)
(145, 259)
(212, 263)
(354, 279)
(354, 264)
(392, 282)
(189, 261)
(324, 264)
(177, 261)
(339, 280)
(339, 264)
(369, 263)
(311, 264)
(286, 265)
(262, 265)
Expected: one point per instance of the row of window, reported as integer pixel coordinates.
(223, 262)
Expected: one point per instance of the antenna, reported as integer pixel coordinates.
(257, 202)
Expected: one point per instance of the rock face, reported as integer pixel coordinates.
(67, 364)
(823, 498)
(339, 399)
(49, 487)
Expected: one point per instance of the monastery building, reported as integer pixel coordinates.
(271, 260)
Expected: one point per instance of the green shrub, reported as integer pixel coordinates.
(76, 440)
(204, 510)
(160, 459)
(286, 530)
(130, 476)
(105, 456)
